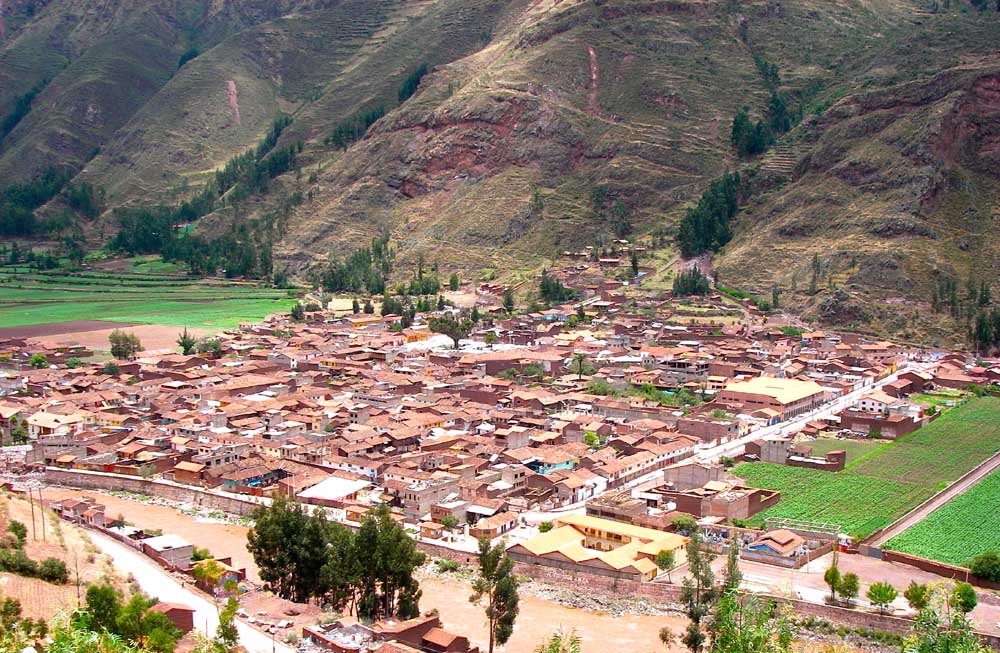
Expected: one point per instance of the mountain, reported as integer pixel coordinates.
(544, 125)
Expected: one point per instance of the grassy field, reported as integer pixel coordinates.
(854, 448)
(882, 485)
(959, 530)
(29, 297)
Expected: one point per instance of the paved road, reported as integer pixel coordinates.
(158, 583)
(792, 426)
(954, 490)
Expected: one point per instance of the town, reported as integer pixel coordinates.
(591, 439)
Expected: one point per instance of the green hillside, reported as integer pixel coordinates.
(541, 125)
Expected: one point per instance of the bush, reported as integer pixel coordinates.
(444, 566)
(19, 530)
(545, 527)
(53, 570)
(986, 566)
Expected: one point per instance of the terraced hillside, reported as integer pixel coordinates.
(542, 125)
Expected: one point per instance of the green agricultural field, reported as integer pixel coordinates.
(959, 530)
(854, 448)
(884, 484)
(28, 298)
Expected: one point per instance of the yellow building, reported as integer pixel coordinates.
(600, 546)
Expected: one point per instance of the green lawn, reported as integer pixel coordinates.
(32, 297)
(882, 485)
(959, 530)
(939, 399)
(208, 314)
(854, 448)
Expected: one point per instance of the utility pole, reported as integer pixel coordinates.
(31, 502)
(41, 509)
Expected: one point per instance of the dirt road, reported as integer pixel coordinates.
(157, 582)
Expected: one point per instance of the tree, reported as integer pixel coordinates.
(937, 630)
(298, 312)
(387, 558)
(666, 561)
(621, 222)
(497, 587)
(355, 306)
(579, 361)
(226, 636)
(211, 346)
(917, 595)
(102, 602)
(209, 572)
(690, 282)
(666, 637)
(453, 281)
(147, 628)
(986, 566)
(449, 326)
(124, 346)
(849, 587)
(369, 309)
(275, 541)
(38, 361)
(545, 527)
(749, 624)
(733, 577)
(963, 598)
(73, 363)
(881, 595)
(474, 316)
(53, 570)
(19, 530)
(450, 522)
(561, 642)
(832, 579)
(634, 260)
(508, 300)
(491, 338)
(698, 592)
(186, 342)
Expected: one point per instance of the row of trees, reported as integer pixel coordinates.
(242, 250)
(552, 291)
(305, 557)
(690, 282)
(22, 105)
(19, 201)
(705, 227)
(365, 270)
(354, 127)
(368, 573)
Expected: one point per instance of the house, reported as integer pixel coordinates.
(169, 550)
(181, 616)
(780, 542)
(790, 397)
(599, 546)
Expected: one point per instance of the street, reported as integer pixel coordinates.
(156, 582)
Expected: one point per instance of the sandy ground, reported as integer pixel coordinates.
(539, 618)
(154, 338)
(223, 540)
(64, 541)
(450, 597)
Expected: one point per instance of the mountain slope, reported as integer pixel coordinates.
(545, 125)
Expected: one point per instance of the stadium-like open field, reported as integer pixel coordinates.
(878, 488)
(959, 530)
(29, 297)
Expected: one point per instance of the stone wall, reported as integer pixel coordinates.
(211, 499)
(659, 592)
